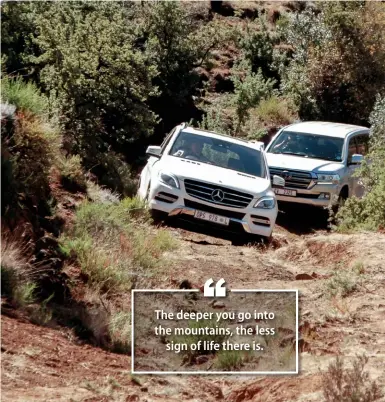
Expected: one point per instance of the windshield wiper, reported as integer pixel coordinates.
(293, 153)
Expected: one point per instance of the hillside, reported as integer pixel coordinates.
(86, 87)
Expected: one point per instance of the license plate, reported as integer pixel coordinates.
(285, 191)
(206, 216)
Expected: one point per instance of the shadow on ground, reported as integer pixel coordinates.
(302, 219)
(236, 239)
(296, 219)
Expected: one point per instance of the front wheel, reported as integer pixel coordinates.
(341, 201)
(158, 216)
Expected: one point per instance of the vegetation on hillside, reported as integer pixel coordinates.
(87, 85)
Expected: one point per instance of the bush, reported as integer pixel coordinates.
(16, 274)
(100, 194)
(30, 146)
(102, 80)
(24, 95)
(337, 65)
(114, 245)
(250, 89)
(113, 172)
(276, 110)
(120, 332)
(71, 173)
(349, 385)
(368, 213)
(229, 360)
(194, 339)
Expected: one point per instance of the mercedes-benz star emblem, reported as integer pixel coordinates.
(217, 195)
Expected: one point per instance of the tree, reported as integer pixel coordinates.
(97, 77)
(338, 62)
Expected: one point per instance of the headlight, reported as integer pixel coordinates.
(169, 179)
(265, 203)
(328, 178)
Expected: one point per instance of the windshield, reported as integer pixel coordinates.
(308, 146)
(218, 152)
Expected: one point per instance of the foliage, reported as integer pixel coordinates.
(16, 274)
(114, 173)
(24, 95)
(250, 89)
(257, 44)
(350, 385)
(337, 64)
(276, 110)
(120, 332)
(17, 29)
(97, 78)
(229, 360)
(30, 146)
(71, 173)
(194, 339)
(368, 212)
(341, 284)
(114, 245)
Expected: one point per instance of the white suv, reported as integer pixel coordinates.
(211, 178)
(317, 161)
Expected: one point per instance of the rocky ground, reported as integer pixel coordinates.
(342, 308)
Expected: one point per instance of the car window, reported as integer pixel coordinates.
(352, 148)
(362, 144)
(308, 146)
(219, 152)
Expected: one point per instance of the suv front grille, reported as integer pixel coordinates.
(206, 191)
(293, 178)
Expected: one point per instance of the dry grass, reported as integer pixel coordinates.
(16, 273)
(116, 249)
(115, 246)
(341, 384)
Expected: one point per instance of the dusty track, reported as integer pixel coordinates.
(45, 364)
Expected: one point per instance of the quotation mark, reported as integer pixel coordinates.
(219, 290)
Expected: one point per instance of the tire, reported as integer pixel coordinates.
(341, 200)
(158, 216)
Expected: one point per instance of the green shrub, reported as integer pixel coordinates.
(250, 89)
(341, 284)
(101, 195)
(113, 172)
(276, 110)
(71, 173)
(229, 360)
(114, 244)
(24, 95)
(16, 274)
(30, 146)
(102, 80)
(368, 213)
(325, 75)
(24, 294)
(120, 332)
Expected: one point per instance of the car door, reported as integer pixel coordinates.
(145, 176)
(358, 144)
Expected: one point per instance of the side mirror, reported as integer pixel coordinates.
(154, 150)
(278, 181)
(356, 159)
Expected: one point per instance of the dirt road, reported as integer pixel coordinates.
(342, 308)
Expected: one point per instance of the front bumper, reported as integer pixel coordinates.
(176, 202)
(312, 196)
